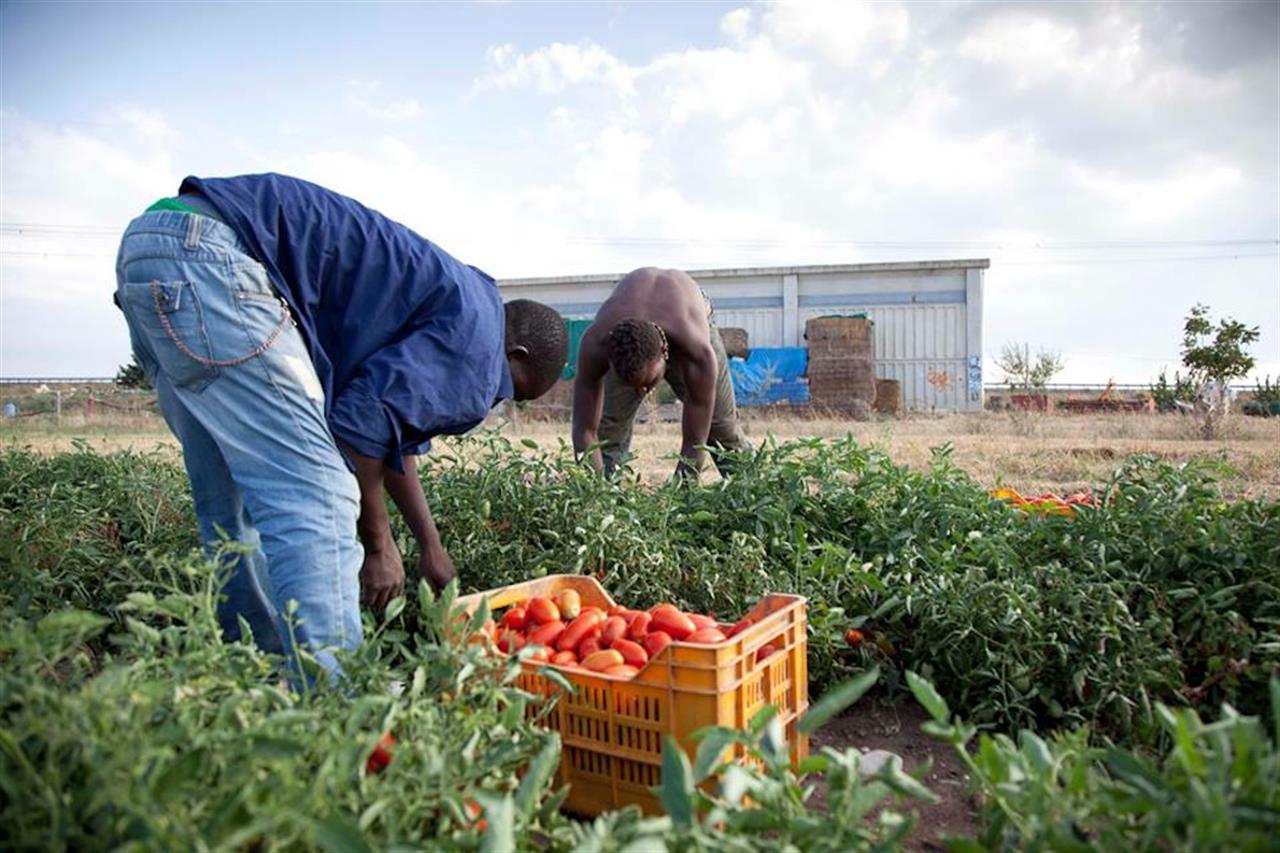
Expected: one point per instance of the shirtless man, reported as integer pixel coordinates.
(656, 324)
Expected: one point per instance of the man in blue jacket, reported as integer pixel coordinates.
(295, 336)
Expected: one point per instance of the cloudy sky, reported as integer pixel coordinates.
(1118, 162)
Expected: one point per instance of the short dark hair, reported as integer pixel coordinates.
(633, 345)
(541, 330)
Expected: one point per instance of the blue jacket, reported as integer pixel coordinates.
(408, 342)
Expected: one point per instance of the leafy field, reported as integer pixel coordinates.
(1100, 637)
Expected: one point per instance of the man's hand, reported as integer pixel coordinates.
(687, 471)
(436, 567)
(382, 575)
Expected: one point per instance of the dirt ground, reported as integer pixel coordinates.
(875, 725)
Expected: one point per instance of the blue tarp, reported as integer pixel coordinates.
(770, 375)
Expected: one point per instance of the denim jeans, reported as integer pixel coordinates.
(238, 389)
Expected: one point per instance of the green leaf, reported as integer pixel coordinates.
(710, 751)
(676, 791)
(338, 833)
(276, 747)
(1274, 684)
(1034, 747)
(837, 699)
(884, 608)
(394, 609)
(500, 834)
(927, 696)
(1129, 768)
(813, 764)
(897, 779)
(536, 779)
(762, 719)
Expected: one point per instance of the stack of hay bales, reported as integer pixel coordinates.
(841, 364)
(735, 341)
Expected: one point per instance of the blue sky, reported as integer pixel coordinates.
(1117, 162)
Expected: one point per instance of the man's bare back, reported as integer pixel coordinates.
(668, 298)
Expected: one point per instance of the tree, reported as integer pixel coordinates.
(1023, 372)
(1214, 356)
(132, 376)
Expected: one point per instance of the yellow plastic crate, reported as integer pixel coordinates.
(613, 728)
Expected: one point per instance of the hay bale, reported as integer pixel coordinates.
(888, 396)
(849, 330)
(735, 341)
(840, 381)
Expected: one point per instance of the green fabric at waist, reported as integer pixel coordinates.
(176, 203)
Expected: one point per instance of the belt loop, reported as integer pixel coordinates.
(193, 231)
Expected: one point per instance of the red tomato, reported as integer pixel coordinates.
(546, 635)
(381, 755)
(587, 622)
(541, 654)
(706, 636)
(639, 627)
(632, 652)
(570, 604)
(588, 646)
(699, 621)
(516, 618)
(670, 620)
(602, 660)
(743, 624)
(543, 610)
(511, 642)
(615, 628)
(764, 652)
(655, 642)
(565, 658)
(474, 811)
(854, 637)
(622, 671)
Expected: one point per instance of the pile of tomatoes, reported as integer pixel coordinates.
(1047, 503)
(617, 642)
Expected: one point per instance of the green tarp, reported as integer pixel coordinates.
(577, 328)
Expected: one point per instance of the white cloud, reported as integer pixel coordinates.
(554, 68)
(736, 24)
(1107, 55)
(840, 32)
(367, 96)
(726, 83)
(1185, 188)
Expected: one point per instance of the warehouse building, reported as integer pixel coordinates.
(927, 315)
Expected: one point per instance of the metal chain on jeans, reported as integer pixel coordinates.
(210, 362)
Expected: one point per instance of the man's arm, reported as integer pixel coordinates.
(699, 405)
(588, 404)
(405, 489)
(382, 574)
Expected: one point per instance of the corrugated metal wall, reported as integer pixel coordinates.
(927, 316)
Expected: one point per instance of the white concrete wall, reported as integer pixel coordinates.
(928, 315)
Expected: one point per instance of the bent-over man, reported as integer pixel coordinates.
(657, 324)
